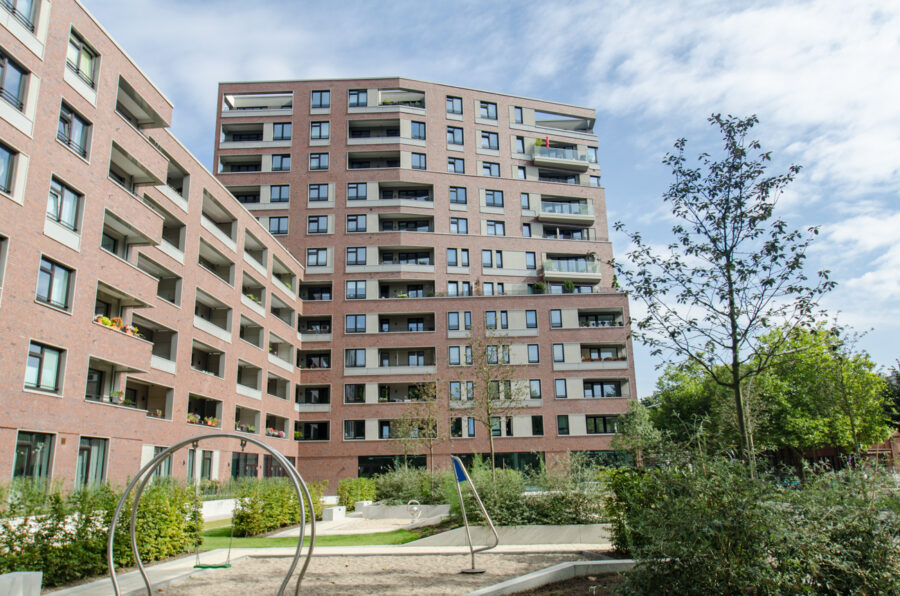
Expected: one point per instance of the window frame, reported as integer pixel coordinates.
(490, 169)
(313, 224)
(453, 104)
(36, 351)
(280, 230)
(62, 196)
(316, 97)
(487, 110)
(318, 162)
(49, 268)
(320, 130)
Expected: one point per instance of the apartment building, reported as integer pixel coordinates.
(427, 216)
(140, 303)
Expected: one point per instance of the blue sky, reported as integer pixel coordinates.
(821, 76)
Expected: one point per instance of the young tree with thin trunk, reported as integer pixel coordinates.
(733, 271)
(419, 429)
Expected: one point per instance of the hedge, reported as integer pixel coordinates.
(266, 505)
(352, 490)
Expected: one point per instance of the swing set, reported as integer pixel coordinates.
(146, 473)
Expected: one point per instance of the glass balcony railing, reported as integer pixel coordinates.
(567, 208)
(560, 153)
(571, 266)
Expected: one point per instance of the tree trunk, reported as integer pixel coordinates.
(736, 362)
(491, 442)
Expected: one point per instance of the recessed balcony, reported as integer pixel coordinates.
(566, 211)
(257, 104)
(572, 268)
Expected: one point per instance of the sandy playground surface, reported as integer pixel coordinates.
(376, 574)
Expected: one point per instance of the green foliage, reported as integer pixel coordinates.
(351, 490)
(65, 535)
(638, 435)
(402, 484)
(271, 503)
(712, 528)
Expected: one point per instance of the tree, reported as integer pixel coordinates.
(487, 387)
(733, 270)
(892, 389)
(419, 429)
(637, 434)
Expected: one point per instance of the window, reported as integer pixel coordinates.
(355, 358)
(521, 173)
(490, 319)
(81, 59)
(492, 354)
(496, 228)
(603, 388)
(562, 425)
(533, 356)
(489, 140)
(281, 163)
(354, 393)
(526, 232)
(418, 161)
(53, 284)
(281, 131)
(464, 257)
(321, 99)
(454, 356)
(278, 225)
(488, 288)
(555, 318)
(458, 195)
(592, 154)
(560, 387)
(90, 469)
(317, 224)
(487, 258)
(281, 193)
(517, 115)
(595, 181)
(355, 324)
(356, 223)
(454, 135)
(12, 82)
(504, 320)
(456, 165)
(493, 198)
(531, 319)
(454, 105)
(489, 168)
(356, 255)
(452, 260)
(520, 144)
(418, 130)
(356, 191)
(316, 257)
(488, 110)
(22, 10)
(558, 353)
(319, 130)
(354, 430)
(44, 366)
(7, 167)
(600, 425)
(73, 130)
(318, 161)
(358, 98)
(537, 426)
(94, 388)
(534, 389)
(34, 455)
(467, 319)
(356, 290)
(453, 321)
(62, 204)
(459, 225)
(415, 324)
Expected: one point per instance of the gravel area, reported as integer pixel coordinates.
(345, 575)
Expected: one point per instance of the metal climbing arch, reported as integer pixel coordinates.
(146, 473)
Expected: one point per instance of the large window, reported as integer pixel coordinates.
(319, 131)
(281, 163)
(12, 80)
(354, 430)
(493, 198)
(81, 58)
(531, 319)
(555, 318)
(355, 324)
(488, 110)
(496, 228)
(534, 389)
(603, 388)
(599, 425)
(533, 354)
(459, 225)
(318, 161)
(489, 168)
(358, 98)
(489, 140)
(320, 99)
(458, 195)
(22, 10)
(354, 393)
(53, 284)
(73, 130)
(559, 386)
(418, 130)
(63, 204)
(316, 257)
(356, 255)
(454, 135)
(281, 131)
(454, 105)
(456, 165)
(453, 321)
(356, 290)
(281, 193)
(517, 115)
(356, 223)
(44, 368)
(355, 358)
(90, 468)
(418, 161)
(562, 425)
(520, 144)
(34, 454)
(7, 167)
(317, 224)
(278, 225)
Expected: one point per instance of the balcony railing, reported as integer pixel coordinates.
(72, 144)
(567, 208)
(571, 266)
(12, 98)
(89, 81)
(20, 16)
(560, 153)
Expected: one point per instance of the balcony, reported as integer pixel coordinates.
(277, 387)
(314, 328)
(424, 289)
(394, 223)
(277, 426)
(249, 380)
(314, 292)
(246, 420)
(398, 195)
(203, 411)
(577, 211)
(257, 104)
(406, 323)
(406, 361)
(281, 353)
(212, 316)
(401, 392)
(311, 431)
(557, 232)
(594, 319)
(567, 158)
(399, 260)
(575, 268)
(373, 132)
(164, 340)
(251, 332)
(366, 160)
(207, 360)
(106, 382)
(314, 359)
(312, 398)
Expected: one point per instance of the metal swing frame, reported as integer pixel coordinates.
(462, 474)
(146, 473)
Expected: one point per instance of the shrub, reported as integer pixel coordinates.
(351, 490)
(403, 483)
(65, 535)
(269, 504)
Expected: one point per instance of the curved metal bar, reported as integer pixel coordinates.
(484, 512)
(145, 474)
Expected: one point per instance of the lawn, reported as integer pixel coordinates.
(216, 535)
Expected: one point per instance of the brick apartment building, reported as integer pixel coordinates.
(141, 303)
